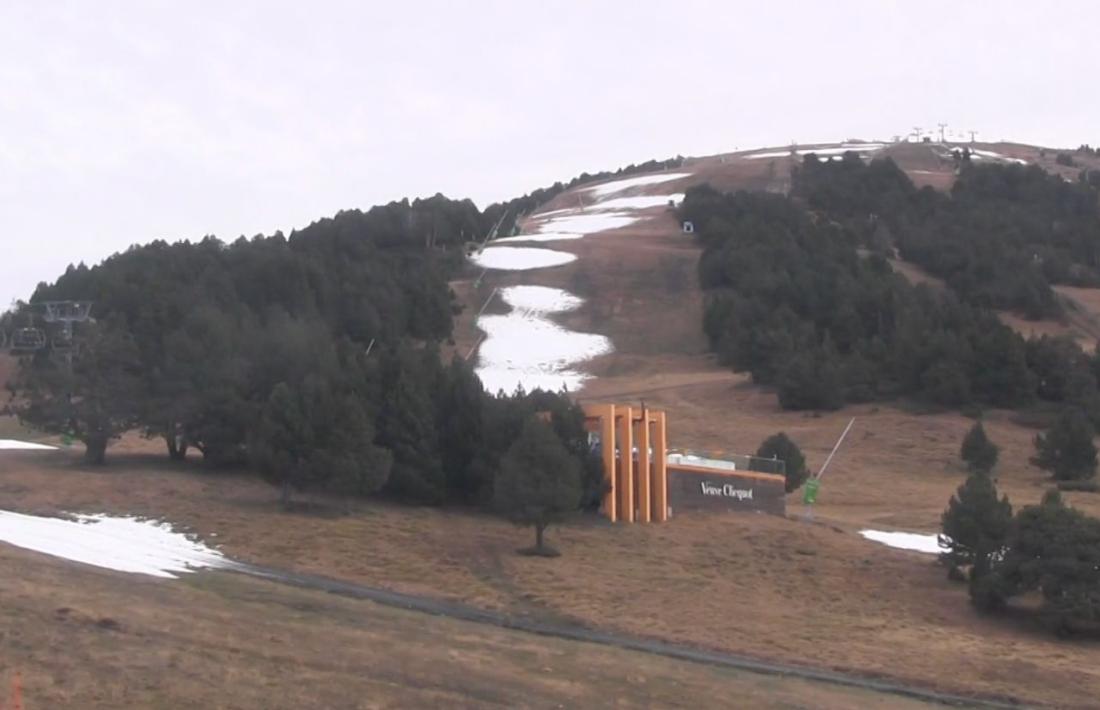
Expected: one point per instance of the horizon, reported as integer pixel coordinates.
(126, 126)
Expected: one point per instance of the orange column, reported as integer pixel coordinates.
(607, 444)
(625, 473)
(660, 468)
(641, 438)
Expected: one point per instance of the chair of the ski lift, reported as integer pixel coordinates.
(27, 340)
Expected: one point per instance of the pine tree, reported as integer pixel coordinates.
(312, 437)
(975, 525)
(1055, 550)
(1066, 450)
(781, 447)
(96, 401)
(539, 482)
(406, 426)
(979, 453)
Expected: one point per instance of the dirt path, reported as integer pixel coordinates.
(572, 632)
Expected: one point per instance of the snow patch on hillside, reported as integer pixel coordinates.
(124, 544)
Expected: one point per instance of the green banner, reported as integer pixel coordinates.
(809, 491)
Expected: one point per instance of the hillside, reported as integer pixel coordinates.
(619, 313)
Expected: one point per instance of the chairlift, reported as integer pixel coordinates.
(28, 339)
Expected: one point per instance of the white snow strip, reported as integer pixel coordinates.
(905, 541)
(525, 348)
(610, 188)
(520, 258)
(588, 223)
(123, 544)
(541, 237)
(824, 150)
(23, 445)
(638, 202)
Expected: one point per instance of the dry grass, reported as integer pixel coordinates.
(774, 588)
(84, 638)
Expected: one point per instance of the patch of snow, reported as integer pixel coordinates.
(23, 445)
(905, 541)
(974, 152)
(824, 150)
(588, 223)
(637, 202)
(525, 348)
(120, 543)
(610, 188)
(540, 237)
(520, 258)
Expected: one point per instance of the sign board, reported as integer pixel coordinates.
(691, 488)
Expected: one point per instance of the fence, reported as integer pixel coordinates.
(16, 697)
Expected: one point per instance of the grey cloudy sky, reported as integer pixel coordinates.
(123, 122)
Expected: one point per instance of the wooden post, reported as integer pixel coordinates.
(641, 436)
(625, 473)
(17, 692)
(660, 469)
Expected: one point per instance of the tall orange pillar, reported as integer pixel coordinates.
(606, 413)
(660, 469)
(641, 438)
(625, 473)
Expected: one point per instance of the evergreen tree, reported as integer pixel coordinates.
(979, 453)
(96, 401)
(1055, 550)
(1066, 450)
(312, 437)
(781, 447)
(538, 483)
(975, 526)
(406, 426)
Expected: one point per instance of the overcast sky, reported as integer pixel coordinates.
(123, 122)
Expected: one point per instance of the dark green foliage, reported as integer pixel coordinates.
(311, 436)
(975, 527)
(791, 300)
(781, 447)
(1006, 233)
(539, 482)
(95, 402)
(1055, 550)
(1066, 450)
(257, 351)
(979, 453)
(407, 427)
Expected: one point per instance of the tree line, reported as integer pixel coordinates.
(1050, 548)
(796, 299)
(314, 358)
(1002, 237)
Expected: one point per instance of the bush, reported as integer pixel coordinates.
(781, 447)
(1066, 450)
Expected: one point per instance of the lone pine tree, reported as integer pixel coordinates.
(539, 482)
(1066, 450)
(979, 453)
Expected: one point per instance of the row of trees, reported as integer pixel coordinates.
(313, 358)
(791, 299)
(1048, 548)
(1003, 236)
